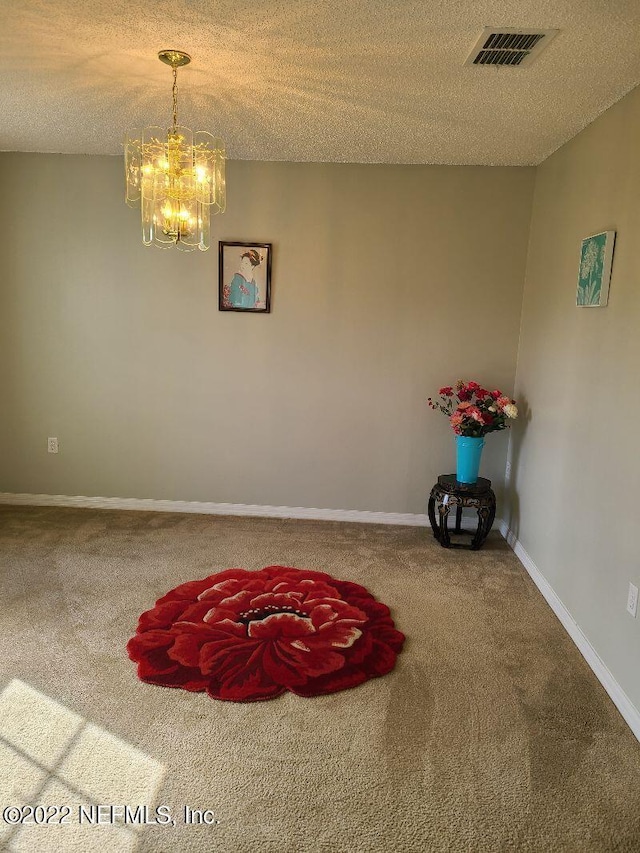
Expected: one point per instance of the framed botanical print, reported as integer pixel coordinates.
(594, 275)
(244, 277)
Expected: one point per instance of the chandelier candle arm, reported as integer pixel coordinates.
(176, 176)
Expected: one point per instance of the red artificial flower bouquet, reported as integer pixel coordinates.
(472, 410)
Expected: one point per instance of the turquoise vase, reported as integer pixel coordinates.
(468, 453)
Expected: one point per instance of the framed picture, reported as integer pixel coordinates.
(244, 277)
(596, 258)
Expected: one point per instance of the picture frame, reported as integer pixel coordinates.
(594, 272)
(244, 276)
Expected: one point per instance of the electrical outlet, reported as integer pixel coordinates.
(52, 445)
(632, 600)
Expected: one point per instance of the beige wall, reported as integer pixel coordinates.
(576, 462)
(387, 282)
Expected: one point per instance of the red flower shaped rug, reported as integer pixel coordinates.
(248, 636)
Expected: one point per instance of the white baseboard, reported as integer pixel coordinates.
(208, 508)
(403, 519)
(619, 698)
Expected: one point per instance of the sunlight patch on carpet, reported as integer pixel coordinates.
(52, 757)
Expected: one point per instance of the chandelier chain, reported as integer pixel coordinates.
(175, 97)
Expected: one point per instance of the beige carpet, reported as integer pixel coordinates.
(490, 735)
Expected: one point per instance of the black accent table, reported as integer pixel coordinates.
(448, 493)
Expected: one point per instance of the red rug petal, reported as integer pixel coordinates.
(249, 636)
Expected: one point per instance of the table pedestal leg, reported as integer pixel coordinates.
(431, 510)
(443, 510)
(483, 527)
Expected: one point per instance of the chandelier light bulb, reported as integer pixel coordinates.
(176, 176)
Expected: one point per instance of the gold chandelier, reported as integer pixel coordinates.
(176, 176)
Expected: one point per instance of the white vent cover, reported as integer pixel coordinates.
(499, 46)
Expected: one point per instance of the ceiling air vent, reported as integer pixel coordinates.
(509, 46)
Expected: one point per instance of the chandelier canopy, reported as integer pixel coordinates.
(176, 177)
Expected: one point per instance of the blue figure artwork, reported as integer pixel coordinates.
(243, 292)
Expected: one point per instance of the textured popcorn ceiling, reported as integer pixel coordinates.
(329, 80)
